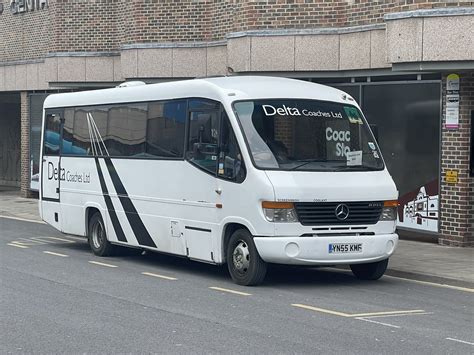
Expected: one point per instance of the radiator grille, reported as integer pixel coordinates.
(324, 213)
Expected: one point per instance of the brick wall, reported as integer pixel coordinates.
(26, 35)
(25, 146)
(85, 25)
(273, 14)
(165, 21)
(457, 199)
(105, 25)
(363, 12)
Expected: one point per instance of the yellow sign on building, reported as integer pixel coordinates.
(451, 176)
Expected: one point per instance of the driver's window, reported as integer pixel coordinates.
(203, 139)
(231, 164)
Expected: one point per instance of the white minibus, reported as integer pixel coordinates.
(242, 170)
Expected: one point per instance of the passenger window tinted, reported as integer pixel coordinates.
(203, 104)
(52, 134)
(203, 139)
(231, 164)
(165, 129)
(89, 124)
(144, 130)
(126, 130)
(71, 145)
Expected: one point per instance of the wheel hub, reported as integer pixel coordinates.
(97, 235)
(241, 257)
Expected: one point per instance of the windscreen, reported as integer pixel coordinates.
(291, 134)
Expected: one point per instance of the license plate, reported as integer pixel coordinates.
(342, 248)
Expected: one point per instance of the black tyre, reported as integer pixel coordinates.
(97, 237)
(370, 271)
(245, 265)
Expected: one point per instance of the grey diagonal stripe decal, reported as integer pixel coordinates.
(110, 207)
(139, 229)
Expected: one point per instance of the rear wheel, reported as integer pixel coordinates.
(243, 261)
(370, 271)
(97, 237)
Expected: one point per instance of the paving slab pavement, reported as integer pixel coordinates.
(412, 259)
(13, 205)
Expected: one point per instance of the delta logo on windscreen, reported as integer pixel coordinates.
(66, 175)
(294, 111)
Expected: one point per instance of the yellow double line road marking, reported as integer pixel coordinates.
(358, 315)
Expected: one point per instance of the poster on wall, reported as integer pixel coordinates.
(419, 209)
(452, 101)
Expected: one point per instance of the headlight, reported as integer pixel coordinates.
(389, 211)
(279, 211)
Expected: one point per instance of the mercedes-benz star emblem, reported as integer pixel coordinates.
(342, 212)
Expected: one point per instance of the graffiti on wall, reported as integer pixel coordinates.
(419, 209)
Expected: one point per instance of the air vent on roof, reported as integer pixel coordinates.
(128, 84)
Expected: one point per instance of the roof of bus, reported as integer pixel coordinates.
(227, 89)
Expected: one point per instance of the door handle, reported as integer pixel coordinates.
(218, 191)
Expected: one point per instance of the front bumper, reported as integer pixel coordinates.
(315, 250)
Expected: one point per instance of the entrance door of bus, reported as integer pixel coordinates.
(202, 152)
(51, 168)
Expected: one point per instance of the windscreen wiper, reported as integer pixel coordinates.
(356, 168)
(308, 161)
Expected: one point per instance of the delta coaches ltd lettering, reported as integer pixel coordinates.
(294, 111)
(66, 175)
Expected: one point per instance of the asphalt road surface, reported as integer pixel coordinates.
(56, 297)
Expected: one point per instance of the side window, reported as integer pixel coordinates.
(52, 134)
(90, 130)
(165, 129)
(126, 130)
(71, 145)
(203, 139)
(231, 164)
(82, 132)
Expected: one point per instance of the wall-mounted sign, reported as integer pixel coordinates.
(451, 176)
(21, 6)
(452, 101)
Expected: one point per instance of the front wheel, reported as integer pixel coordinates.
(243, 261)
(370, 271)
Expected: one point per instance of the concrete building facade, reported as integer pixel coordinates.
(395, 57)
